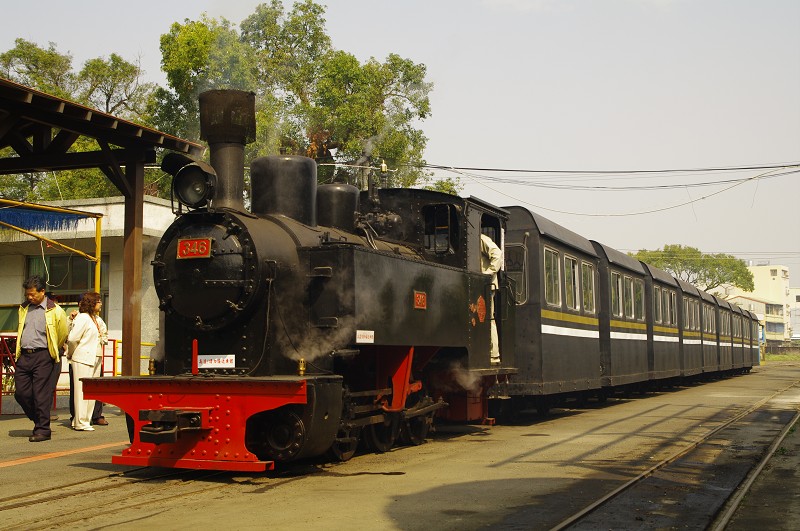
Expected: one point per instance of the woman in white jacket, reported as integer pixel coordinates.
(83, 354)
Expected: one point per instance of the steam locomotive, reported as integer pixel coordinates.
(324, 317)
(319, 318)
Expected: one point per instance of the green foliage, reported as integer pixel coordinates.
(447, 185)
(368, 110)
(111, 85)
(198, 56)
(331, 106)
(45, 70)
(115, 87)
(310, 99)
(289, 48)
(706, 271)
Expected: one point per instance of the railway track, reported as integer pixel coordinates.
(527, 475)
(144, 490)
(701, 485)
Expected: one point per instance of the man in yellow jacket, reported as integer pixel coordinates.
(41, 334)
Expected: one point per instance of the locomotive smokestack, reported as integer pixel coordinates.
(228, 122)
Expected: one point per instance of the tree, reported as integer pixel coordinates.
(115, 86)
(45, 70)
(448, 185)
(110, 85)
(198, 56)
(706, 271)
(368, 111)
(289, 48)
(311, 100)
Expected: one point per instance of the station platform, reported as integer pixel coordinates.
(71, 456)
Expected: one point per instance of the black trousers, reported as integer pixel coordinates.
(97, 412)
(35, 379)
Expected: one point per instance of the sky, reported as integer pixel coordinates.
(566, 89)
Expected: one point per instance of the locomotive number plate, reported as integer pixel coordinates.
(194, 248)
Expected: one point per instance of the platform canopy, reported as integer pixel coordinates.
(40, 129)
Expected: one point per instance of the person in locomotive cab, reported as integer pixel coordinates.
(41, 333)
(491, 261)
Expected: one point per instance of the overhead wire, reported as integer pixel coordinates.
(771, 172)
(628, 188)
(620, 172)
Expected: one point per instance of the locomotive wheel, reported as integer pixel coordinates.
(416, 429)
(380, 437)
(345, 445)
(284, 435)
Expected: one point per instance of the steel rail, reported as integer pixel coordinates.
(733, 503)
(680, 453)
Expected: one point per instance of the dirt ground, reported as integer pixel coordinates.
(774, 499)
(529, 475)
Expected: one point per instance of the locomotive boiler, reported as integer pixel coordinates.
(320, 318)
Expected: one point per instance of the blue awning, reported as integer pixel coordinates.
(39, 220)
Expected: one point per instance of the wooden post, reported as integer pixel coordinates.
(132, 269)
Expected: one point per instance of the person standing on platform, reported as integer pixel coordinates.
(41, 333)
(83, 351)
(97, 413)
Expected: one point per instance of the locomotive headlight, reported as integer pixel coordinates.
(194, 184)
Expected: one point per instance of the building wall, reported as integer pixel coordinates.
(794, 310)
(157, 217)
(766, 321)
(771, 285)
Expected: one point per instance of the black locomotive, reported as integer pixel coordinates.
(323, 317)
(319, 317)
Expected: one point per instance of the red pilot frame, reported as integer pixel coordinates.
(198, 423)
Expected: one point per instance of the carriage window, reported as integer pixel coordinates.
(711, 319)
(616, 294)
(552, 278)
(705, 319)
(441, 228)
(638, 299)
(657, 303)
(686, 317)
(697, 315)
(516, 267)
(587, 286)
(665, 309)
(673, 308)
(627, 297)
(571, 282)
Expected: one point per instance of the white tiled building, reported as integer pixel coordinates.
(771, 288)
(70, 274)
